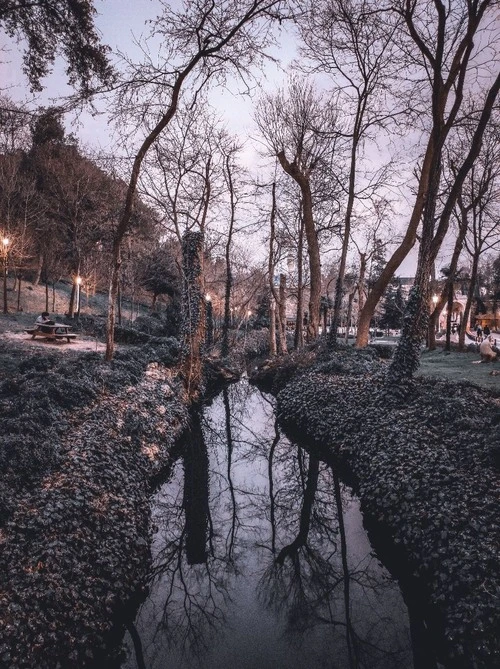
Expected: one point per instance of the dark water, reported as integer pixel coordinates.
(261, 559)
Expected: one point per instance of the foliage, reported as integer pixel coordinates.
(77, 547)
(159, 273)
(58, 27)
(425, 470)
(393, 306)
(38, 400)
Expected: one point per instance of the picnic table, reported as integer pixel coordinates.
(52, 331)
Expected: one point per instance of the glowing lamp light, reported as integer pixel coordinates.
(78, 280)
(208, 298)
(435, 299)
(5, 241)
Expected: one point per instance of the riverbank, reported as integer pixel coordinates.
(81, 441)
(424, 460)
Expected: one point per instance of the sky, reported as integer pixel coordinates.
(121, 23)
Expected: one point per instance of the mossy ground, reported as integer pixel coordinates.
(80, 441)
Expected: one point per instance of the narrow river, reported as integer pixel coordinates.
(260, 558)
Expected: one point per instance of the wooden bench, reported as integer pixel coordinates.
(54, 332)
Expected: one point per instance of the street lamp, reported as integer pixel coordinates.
(5, 244)
(435, 300)
(78, 285)
(249, 313)
(210, 321)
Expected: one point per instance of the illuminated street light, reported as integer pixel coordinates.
(78, 281)
(209, 337)
(5, 244)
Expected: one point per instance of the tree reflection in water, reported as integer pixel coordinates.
(261, 559)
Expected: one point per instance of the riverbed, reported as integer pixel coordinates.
(260, 557)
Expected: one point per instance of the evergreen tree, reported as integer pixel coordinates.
(393, 306)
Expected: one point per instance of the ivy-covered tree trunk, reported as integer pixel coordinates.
(406, 358)
(193, 313)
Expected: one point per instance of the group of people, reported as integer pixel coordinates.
(482, 333)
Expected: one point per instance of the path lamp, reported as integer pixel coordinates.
(435, 300)
(5, 253)
(78, 287)
(210, 321)
(249, 313)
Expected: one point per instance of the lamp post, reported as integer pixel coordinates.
(210, 321)
(435, 300)
(249, 313)
(5, 245)
(78, 285)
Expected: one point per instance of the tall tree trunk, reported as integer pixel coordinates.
(272, 326)
(373, 298)
(470, 298)
(406, 358)
(312, 244)
(273, 297)
(298, 339)
(339, 284)
(193, 313)
(282, 347)
(361, 283)
(19, 282)
(349, 313)
(449, 310)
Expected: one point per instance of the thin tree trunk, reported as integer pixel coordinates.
(282, 317)
(349, 313)
(39, 268)
(339, 284)
(229, 275)
(470, 298)
(298, 339)
(449, 310)
(19, 281)
(273, 297)
(272, 326)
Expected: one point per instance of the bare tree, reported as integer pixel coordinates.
(439, 41)
(478, 209)
(348, 41)
(203, 42)
(289, 122)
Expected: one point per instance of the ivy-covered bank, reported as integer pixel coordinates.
(80, 442)
(424, 458)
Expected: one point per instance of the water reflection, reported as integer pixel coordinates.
(261, 559)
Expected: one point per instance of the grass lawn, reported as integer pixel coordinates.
(455, 366)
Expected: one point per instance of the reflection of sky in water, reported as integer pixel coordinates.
(241, 610)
